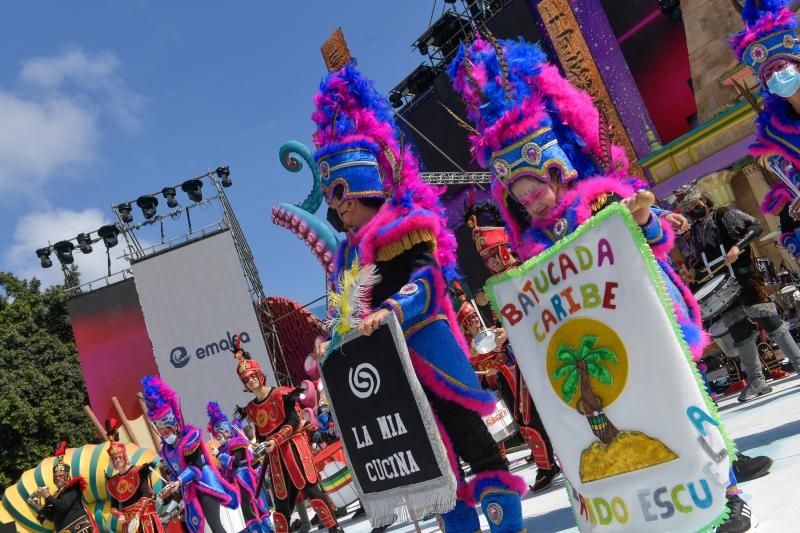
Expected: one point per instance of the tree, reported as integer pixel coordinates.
(579, 367)
(42, 392)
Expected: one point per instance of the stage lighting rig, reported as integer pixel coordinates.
(193, 189)
(44, 257)
(109, 235)
(84, 243)
(169, 194)
(64, 252)
(148, 205)
(224, 174)
(125, 214)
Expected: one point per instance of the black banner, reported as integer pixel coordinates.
(377, 414)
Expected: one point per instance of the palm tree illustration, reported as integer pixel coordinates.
(579, 368)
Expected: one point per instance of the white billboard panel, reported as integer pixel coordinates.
(195, 300)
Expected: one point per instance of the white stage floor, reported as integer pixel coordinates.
(767, 426)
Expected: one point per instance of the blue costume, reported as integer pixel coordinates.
(202, 487)
(402, 260)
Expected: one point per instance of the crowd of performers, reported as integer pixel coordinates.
(553, 167)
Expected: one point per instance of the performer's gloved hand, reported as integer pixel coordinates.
(500, 336)
(270, 446)
(215, 451)
(372, 322)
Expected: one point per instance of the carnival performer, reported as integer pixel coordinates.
(735, 230)
(193, 473)
(769, 45)
(130, 491)
(402, 255)
(553, 167)
(279, 422)
(493, 247)
(66, 508)
(236, 462)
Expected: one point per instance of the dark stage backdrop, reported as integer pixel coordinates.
(113, 346)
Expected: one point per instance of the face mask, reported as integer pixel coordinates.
(785, 82)
(171, 439)
(335, 221)
(222, 441)
(697, 212)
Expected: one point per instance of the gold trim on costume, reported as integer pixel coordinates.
(406, 242)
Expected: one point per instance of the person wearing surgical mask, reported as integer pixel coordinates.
(184, 452)
(769, 45)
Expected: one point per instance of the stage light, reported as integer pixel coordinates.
(396, 99)
(148, 205)
(84, 243)
(124, 211)
(169, 194)
(44, 257)
(109, 235)
(64, 252)
(193, 189)
(224, 174)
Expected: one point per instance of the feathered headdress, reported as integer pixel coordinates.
(115, 448)
(217, 420)
(529, 119)
(163, 405)
(356, 135)
(770, 32)
(352, 117)
(60, 467)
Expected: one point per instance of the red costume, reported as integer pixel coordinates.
(278, 418)
(131, 493)
(493, 246)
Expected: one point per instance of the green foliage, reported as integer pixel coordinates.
(591, 357)
(42, 392)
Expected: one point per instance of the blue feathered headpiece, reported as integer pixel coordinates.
(217, 420)
(770, 32)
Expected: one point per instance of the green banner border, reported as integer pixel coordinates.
(654, 272)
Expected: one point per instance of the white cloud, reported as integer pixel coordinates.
(51, 126)
(34, 230)
(39, 138)
(96, 74)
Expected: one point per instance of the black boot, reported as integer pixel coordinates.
(739, 518)
(747, 468)
(544, 478)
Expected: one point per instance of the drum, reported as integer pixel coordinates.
(484, 342)
(501, 423)
(790, 297)
(335, 476)
(784, 277)
(764, 265)
(717, 295)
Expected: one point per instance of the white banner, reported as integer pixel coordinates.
(195, 300)
(596, 338)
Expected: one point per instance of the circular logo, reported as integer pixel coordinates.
(532, 153)
(364, 380)
(501, 168)
(324, 170)
(587, 362)
(179, 357)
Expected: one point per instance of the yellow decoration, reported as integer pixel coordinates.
(390, 251)
(630, 451)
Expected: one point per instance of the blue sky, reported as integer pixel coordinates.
(103, 101)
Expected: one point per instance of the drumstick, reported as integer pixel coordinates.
(713, 271)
